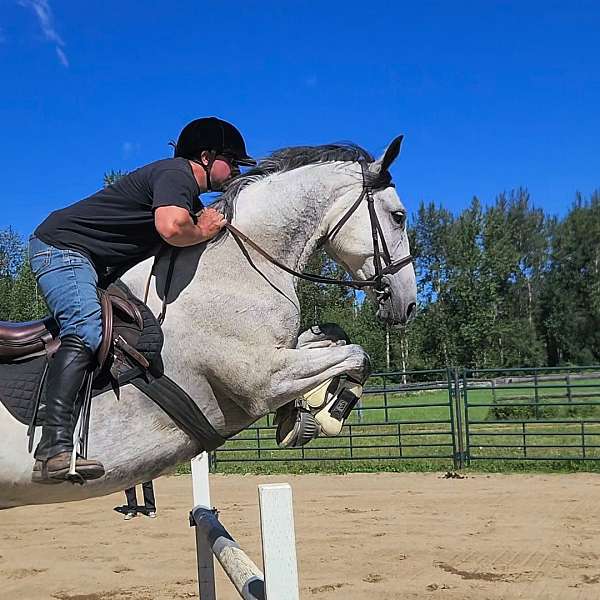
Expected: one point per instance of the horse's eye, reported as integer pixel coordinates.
(399, 217)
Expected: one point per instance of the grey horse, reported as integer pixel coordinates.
(232, 327)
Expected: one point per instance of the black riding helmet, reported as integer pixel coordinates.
(213, 134)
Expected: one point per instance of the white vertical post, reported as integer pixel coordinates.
(278, 541)
(200, 482)
(204, 553)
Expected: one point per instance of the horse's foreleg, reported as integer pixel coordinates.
(323, 402)
(297, 371)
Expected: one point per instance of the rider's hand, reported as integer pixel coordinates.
(210, 222)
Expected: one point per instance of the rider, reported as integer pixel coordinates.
(113, 230)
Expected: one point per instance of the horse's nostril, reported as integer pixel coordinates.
(411, 311)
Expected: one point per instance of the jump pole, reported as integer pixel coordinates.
(280, 581)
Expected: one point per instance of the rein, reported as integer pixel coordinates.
(379, 253)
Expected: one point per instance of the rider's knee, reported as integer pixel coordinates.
(90, 331)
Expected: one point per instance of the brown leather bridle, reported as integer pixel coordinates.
(380, 249)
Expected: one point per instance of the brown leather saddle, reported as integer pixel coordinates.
(23, 345)
(130, 354)
(22, 341)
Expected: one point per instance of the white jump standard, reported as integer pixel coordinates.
(280, 580)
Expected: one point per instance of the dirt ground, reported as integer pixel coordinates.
(385, 536)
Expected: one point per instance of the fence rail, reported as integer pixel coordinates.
(452, 416)
(532, 414)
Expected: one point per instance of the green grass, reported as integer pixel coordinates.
(329, 467)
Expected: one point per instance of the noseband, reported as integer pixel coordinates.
(380, 249)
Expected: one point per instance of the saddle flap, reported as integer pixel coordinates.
(18, 340)
(117, 309)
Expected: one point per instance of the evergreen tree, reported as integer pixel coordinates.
(570, 315)
(19, 297)
(11, 259)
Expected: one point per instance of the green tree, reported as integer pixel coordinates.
(11, 259)
(19, 297)
(570, 315)
(516, 251)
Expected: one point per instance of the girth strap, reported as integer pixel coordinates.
(180, 407)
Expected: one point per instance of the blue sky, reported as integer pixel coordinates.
(490, 95)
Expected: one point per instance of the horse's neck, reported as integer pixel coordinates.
(284, 213)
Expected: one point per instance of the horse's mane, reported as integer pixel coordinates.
(287, 159)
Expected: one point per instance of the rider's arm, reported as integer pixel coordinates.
(176, 226)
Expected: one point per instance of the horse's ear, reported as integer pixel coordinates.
(389, 156)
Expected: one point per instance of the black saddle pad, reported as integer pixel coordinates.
(19, 385)
(20, 381)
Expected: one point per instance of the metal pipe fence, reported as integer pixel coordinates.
(451, 416)
(394, 421)
(535, 414)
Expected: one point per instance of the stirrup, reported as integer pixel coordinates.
(80, 437)
(73, 476)
(75, 479)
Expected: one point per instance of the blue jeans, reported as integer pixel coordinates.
(68, 282)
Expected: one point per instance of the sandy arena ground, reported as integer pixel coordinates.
(385, 536)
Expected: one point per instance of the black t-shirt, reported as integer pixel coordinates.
(115, 226)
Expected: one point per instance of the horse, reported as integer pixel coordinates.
(232, 338)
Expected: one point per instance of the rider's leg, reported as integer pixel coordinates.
(68, 282)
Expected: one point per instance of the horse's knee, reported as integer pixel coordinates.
(360, 362)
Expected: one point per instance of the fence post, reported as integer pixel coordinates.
(456, 454)
(453, 375)
(350, 440)
(385, 399)
(400, 441)
(536, 395)
(278, 541)
(571, 409)
(466, 452)
(204, 554)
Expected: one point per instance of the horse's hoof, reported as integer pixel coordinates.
(296, 426)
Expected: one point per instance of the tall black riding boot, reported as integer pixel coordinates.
(66, 375)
